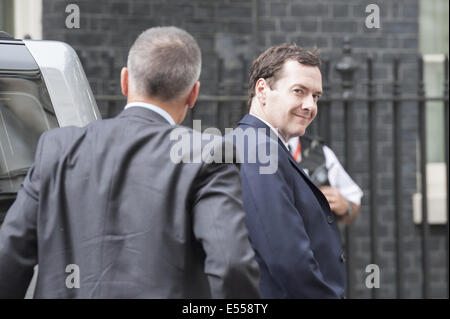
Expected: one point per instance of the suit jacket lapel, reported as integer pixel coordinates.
(255, 122)
(319, 195)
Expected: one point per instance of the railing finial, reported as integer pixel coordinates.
(346, 68)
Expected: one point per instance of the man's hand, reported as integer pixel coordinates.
(337, 202)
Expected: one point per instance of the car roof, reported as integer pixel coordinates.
(15, 56)
(68, 87)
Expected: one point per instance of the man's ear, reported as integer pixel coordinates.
(260, 91)
(193, 95)
(124, 81)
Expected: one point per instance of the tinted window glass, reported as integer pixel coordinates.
(25, 113)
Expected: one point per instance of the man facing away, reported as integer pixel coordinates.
(107, 213)
(289, 220)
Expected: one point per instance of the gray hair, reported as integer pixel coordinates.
(164, 62)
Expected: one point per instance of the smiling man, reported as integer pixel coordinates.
(289, 220)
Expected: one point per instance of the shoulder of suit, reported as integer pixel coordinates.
(59, 137)
(61, 132)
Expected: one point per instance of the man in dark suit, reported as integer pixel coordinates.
(107, 212)
(289, 220)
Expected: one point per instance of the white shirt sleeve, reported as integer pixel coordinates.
(339, 178)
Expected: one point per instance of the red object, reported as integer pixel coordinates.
(297, 151)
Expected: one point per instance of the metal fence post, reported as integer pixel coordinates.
(372, 119)
(109, 55)
(423, 174)
(397, 148)
(346, 68)
(446, 161)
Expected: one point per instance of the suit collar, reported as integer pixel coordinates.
(252, 120)
(153, 107)
(144, 113)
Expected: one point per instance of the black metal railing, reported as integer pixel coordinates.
(446, 161)
(373, 210)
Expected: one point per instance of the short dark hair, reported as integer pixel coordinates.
(164, 62)
(269, 64)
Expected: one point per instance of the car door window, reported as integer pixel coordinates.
(25, 113)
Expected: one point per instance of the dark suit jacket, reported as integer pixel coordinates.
(290, 224)
(109, 199)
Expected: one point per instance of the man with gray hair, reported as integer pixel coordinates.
(106, 213)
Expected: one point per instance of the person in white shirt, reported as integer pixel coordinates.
(325, 170)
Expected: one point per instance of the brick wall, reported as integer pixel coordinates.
(224, 29)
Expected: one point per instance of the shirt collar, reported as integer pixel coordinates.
(274, 130)
(154, 108)
(293, 142)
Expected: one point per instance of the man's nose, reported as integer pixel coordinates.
(308, 102)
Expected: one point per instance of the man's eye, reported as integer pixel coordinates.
(316, 97)
(298, 91)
